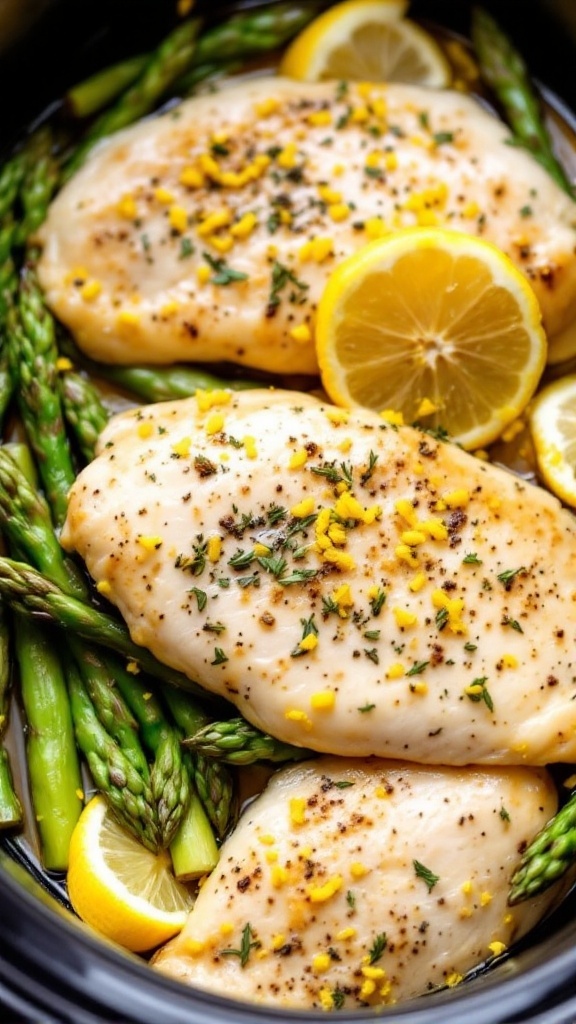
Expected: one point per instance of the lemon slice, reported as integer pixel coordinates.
(366, 40)
(435, 325)
(552, 420)
(118, 887)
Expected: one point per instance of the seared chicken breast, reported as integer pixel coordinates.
(208, 233)
(352, 587)
(350, 884)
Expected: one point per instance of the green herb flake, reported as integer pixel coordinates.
(377, 602)
(441, 138)
(425, 874)
(471, 559)
(186, 248)
(201, 597)
(504, 814)
(351, 899)
(509, 575)
(219, 657)
(470, 646)
(365, 708)
(481, 693)
(247, 944)
(223, 274)
(513, 623)
(417, 668)
(343, 784)
(372, 655)
(379, 945)
(369, 471)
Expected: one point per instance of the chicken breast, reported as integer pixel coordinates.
(361, 883)
(208, 233)
(352, 587)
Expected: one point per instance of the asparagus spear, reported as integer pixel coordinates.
(10, 809)
(163, 67)
(33, 356)
(91, 95)
(237, 742)
(54, 772)
(84, 411)
(38, 184)
(548, 856)
(31, 592)
(212, 779)
(504, 70)
(193, 850)
(252, 32)
(11, 176)
(127, 792)
(154, 383)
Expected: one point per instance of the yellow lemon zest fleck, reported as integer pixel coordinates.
(345, 934)
(454, 979)
(396, 671)
(325, 892)
(324, 700)
(321, 963)
(208, 399)
(182, 447)
(404, 618)
(296, 715)
(178, 218)
(395, 418)
(104, 588)
(250, 447)
(485, 898)
(497, 948)
(358, 870)
(150, 543)
(127, 207)
(214, 423)
(214, 549)
(298, 459)
(301, 333)
(417, 582)
(309, 643)
(297, 808)
(90, 289)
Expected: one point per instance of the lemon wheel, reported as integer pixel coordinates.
(437, 326)
(366, 40)
(121, 889)
(552, 420)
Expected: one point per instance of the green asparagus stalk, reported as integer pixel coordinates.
(170, 778)
(128, 794)
(504, 70)
(84, 411)
(54, 772)
(29, 591)
(96, 92)
(253, 32)
(33, 356)
(235, 741)
(209, 72)
(11, 176)
(193, 850)
(548, 857)
(154, 383)
(39, 183)
(163, 68)
(10, 809)
(212, 779)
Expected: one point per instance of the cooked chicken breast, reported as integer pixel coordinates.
(208, 233)
(350, 884)
(352, 587)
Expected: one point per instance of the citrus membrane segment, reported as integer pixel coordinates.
(429, 314)
(552, 420)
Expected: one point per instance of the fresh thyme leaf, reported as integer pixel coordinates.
(368, 472)
(371, 634)
(442, 137)
(249, 581)
(281, 276)
(298, 576)
(241, 560)
(417, 668)
(201, 597)
(504, 814)
(351, 899)
(441, 619)
(372, 655)
(223, 274)
(219, 657)
(329, 606)
(377, 602)
(338, 998)
(309, 628)
(513, 623)
(377, 948)
(471, 559)
(186, 248)
(470, 647)
(274, 564)
(276, 514)
(509, 575)
(343, 784)
(425, 874)
(213, 627)
(247, 944)
(482, 693)
(366, 707)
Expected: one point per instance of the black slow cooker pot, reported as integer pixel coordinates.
(52, 968)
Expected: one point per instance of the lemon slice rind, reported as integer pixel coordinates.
(118, 886)
(552, 421)
(376, 349)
